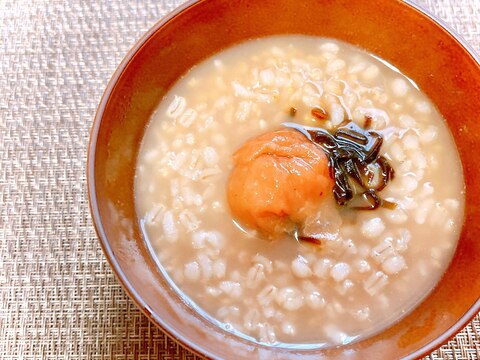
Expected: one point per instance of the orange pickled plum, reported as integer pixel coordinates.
(278, 180)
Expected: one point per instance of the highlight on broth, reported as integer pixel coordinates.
(298, 191)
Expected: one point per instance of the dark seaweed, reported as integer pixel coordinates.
(310, 239)
(319, 113)
(350, 150)
(368, 122)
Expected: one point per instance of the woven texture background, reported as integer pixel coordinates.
(58, 297)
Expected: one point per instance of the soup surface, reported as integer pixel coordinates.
(371, 267)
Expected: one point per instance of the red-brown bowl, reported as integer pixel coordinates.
(438, 61)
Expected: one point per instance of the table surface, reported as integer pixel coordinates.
(58, 297)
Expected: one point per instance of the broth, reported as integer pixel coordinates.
(376, 266)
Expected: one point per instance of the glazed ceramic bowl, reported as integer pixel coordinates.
(444, 68)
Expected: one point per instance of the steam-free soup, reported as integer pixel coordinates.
(368, 267)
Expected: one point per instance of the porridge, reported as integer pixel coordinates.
(238, 259)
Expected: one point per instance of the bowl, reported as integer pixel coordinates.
(421, 47)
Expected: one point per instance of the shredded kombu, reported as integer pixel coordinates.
(355, 163)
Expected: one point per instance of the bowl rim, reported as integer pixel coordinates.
(92, 194)
(475, 308)
(97, 222)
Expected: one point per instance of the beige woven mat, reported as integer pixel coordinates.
(58, 297)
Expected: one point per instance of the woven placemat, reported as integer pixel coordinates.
(58, 297)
